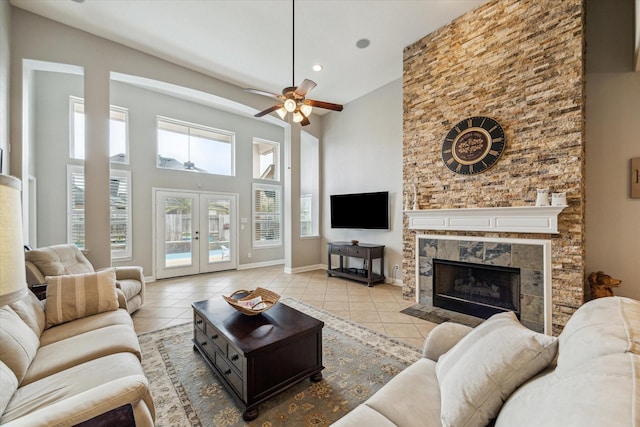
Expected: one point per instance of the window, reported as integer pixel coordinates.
(267, 216)
(190, 147)
(120, 205)
(118, 135)
(266, 159)
(309, 186)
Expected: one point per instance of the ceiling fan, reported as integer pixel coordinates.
(293, 98)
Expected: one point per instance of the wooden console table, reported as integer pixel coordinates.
(362, 250)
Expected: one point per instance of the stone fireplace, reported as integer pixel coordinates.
(520, 62)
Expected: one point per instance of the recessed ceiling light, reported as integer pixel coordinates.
(317, 67)
(363, 43)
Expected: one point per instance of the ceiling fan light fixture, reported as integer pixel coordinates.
(297, 117)
(282, 112)
(306, 109)
(290, 105)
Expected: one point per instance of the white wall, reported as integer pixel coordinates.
(39, 39)
(612, 138)
(362, 152)
(51, 152)
(5, 31)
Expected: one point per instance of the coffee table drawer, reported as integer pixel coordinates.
(204, 344)
(234, 379)
(235, 357)
(198, 321)
(216, 338)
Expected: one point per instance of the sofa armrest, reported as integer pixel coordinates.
(34, 275)
(89, 404)
(442, 338)
(122, 299)
(129, 272)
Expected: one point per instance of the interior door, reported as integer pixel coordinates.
(195, 233)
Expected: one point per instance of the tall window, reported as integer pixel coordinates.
(120, 206)
(266, 159)
(309, 185)
(196, 148)
(267, 215)
(118, 134)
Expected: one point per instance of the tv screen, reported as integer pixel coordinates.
(361, 210)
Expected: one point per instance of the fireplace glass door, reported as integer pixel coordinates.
(476, 289)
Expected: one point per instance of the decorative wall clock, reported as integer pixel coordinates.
(473, 145)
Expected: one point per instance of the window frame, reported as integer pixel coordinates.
(258, 244)
(113, 109)
(198, 128)
(114, 173)
(275, 149)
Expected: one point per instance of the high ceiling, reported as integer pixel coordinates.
(249, 42)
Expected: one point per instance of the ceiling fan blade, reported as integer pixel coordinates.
(264, 93)
(269, 110)
(325, 105)
(305, 87)
(305, 120)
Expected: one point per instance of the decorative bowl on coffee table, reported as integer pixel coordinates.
(252, 302)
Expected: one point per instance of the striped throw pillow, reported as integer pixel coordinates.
(79, 295)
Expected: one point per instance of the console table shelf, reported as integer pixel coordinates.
(365, 251)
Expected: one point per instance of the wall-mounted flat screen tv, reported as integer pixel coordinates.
(361, 210)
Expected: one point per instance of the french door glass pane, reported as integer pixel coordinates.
(218, 220)
(178, 232)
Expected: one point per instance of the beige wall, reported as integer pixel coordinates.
(520, 62)
(612, 138)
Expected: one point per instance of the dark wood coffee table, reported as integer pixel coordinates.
(257, 357)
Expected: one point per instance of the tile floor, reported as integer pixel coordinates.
(168, 302)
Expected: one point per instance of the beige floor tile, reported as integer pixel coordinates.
(362, 306)
(364, 316)
(394, 317)
(336, 305)
(402, 330)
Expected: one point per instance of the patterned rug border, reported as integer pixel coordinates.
(149, 340)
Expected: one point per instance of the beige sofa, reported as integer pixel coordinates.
(72, 358)
(499, 373)
(63, 259)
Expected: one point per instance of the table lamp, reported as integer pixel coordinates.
(13, 281)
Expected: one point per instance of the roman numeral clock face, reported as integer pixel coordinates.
(473, 145)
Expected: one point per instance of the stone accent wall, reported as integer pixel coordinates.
(520, 62)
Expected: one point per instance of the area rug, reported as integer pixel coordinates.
(436, 315)
(357, 363)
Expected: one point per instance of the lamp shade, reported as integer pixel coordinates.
(13, 281)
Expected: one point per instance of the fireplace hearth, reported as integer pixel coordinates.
(475, 289)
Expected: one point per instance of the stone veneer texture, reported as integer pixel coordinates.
(520, 62)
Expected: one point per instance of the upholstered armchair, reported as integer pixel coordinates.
(58, 260)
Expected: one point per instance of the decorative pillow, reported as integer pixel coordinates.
(80, 295)
(480, 372)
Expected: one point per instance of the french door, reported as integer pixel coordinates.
(195, 232)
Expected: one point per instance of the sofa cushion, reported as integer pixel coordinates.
(480, 372)
(70, 391)
(19, 342)
(31, 311)
(81, 348)
(86, 324)
(411, 398)
(58, 260)
(9, 385)
(79, 295)
(602, 326)
(603, 392)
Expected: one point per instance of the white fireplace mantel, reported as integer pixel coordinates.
(517, 219)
